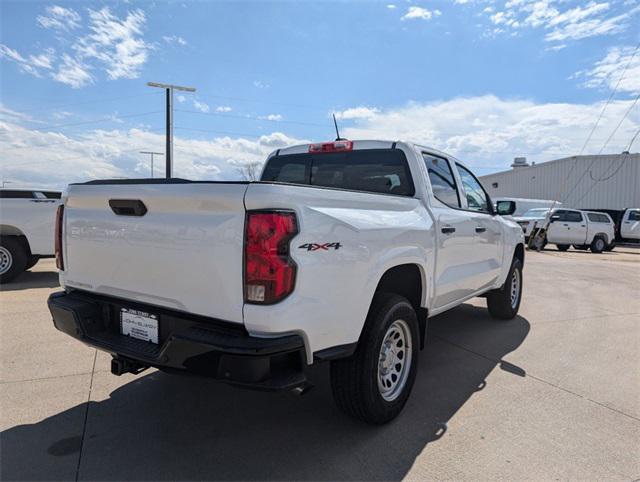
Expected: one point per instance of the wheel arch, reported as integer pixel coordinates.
(409, 281)
(604, 236)
(10, 230)
(518, 253)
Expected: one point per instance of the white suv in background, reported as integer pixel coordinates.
(26, 229)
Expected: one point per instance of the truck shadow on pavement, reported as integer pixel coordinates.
(32, 279)
(162, 427)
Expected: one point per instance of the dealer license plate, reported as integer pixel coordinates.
(138, 324)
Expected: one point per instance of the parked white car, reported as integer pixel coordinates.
(340, 253)
(531, 219)
(26, 229)
(630, 224)
(582, 229)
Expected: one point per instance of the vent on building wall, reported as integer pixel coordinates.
(494, 185)
(519, 162)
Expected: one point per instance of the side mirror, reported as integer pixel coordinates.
(555, 218)
(505, 208)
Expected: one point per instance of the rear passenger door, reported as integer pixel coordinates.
(454, 234)
(486, 257)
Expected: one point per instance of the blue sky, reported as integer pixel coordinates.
(486, 80)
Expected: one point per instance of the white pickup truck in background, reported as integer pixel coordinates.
(582, 229)
(340, 253)
(27, 218)
(630, 225)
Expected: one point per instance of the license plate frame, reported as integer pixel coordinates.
(140, 325)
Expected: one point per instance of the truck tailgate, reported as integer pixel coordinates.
(184, 253)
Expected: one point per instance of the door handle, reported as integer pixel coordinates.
(128, 207)
(480, 229)
(448, 230)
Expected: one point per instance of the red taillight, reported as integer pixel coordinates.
(58, 237)
(337, 146)
(269, 271)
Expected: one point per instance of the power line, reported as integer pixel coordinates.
(628, 149)
(624, 71)
(96, 121)
(248, 117)
(94, 101)
(67, 140)
(633, 104)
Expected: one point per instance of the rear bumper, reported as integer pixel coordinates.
(187, 343)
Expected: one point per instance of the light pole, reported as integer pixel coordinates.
(152, 153)
(169, 88)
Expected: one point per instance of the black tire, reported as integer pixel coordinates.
(598, 244)
(562, 247)
(32, 261)
(499, 302)
(354, 380)
(13, 258)
(611, 247)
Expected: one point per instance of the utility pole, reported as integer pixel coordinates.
(169, 88)
(152, 153)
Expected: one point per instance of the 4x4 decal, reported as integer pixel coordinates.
(316, 246)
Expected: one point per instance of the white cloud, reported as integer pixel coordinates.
(117, 43)
(576, 30)
(54, 159)
(274, 117)
(561, 21)
(223, 108)
(181, 98)
(201, 106)
(420, 13)
(357, 113)
(490, 131)
(59, 18)
(483, 131)
(391, 6)
(109, 43)
(33, 64)
(174, 39)
(43, 60)
(608, 71)
(72, 73)
(260, 84)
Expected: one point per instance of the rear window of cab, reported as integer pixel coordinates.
(381, 171)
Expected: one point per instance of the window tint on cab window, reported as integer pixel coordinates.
(598, 218)
(443, 183)
(383, 171)
(634, 215)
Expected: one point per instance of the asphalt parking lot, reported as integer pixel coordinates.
(554, 393)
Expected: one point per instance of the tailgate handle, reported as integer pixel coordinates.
(128, 207)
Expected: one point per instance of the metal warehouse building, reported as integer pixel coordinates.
(604, 182)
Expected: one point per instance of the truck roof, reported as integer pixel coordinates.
(363, 144)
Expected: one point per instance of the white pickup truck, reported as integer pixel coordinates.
(340, 253)
(582, 229)
(630, 225)
(27, 218)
